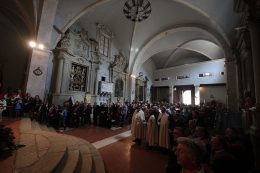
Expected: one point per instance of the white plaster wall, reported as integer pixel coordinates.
(208, 93)
(103, 71)
(147, 69)
(193, 70)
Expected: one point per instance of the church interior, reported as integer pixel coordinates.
(128, 86)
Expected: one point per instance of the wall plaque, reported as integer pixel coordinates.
(37, 71)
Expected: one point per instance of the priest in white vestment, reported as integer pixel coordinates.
(152, 131)
(163, 122)
(137, 125)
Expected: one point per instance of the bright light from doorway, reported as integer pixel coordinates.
(186, 97)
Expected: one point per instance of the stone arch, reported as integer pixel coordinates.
(142, 56)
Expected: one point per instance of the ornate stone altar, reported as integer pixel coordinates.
(75, 63)
(120, 77)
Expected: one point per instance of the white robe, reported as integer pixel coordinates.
(133, 124)
(152, 131)
(137, 124)
(163, 121)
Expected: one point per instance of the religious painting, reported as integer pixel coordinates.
(78, 78)
(119, 88)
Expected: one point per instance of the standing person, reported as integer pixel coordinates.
(152, 130)
(163, 122)
(63, 116)
(96, 112)
(88, 112)
(221, 160)
(35, 106)
(172, 165)
(137, 124)
(2, 107)
(190, 154)
(18, 108)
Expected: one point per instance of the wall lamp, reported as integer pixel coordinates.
(36, 45)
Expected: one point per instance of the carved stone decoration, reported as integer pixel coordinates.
(105, 30)
(65, 41)
(95, 56)
(37, 72)
(81, 60)
(119, 63)
(81, 44)
(78, 78)
(119, 88)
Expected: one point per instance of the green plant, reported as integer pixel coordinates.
(6, 138)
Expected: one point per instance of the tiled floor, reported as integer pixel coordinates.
(123, 156)
(119, 153)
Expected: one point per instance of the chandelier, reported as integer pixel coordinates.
(137, 10)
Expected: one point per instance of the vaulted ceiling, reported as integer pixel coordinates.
(177, 31)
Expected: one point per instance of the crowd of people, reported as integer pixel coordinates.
(192, 138)
(192, 135)
(69, 114)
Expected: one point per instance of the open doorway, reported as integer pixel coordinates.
(186, 97)
(184, 94)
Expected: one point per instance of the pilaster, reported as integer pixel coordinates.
(171, 94)
(254, 29)
(232, 85)
(38, 67)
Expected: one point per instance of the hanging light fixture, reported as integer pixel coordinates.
(137, 10)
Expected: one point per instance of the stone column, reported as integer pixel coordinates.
(65, 80)
(254, 29)
(37, 77)
(171, 94)
(132, 88)
(94, 79)
(232, 85)
(58, 81)
(197, 94)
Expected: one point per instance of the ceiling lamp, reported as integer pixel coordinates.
(137, 10)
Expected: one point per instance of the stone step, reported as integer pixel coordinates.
(45, 128)
(42, 148)
(46, 151)
(73, 160)
(85, 154)
(97, 165)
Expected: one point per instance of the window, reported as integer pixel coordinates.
(182, 77)
(165, 78)
(104, 45)
(205, 74)
(157, 79)
(104, 36)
